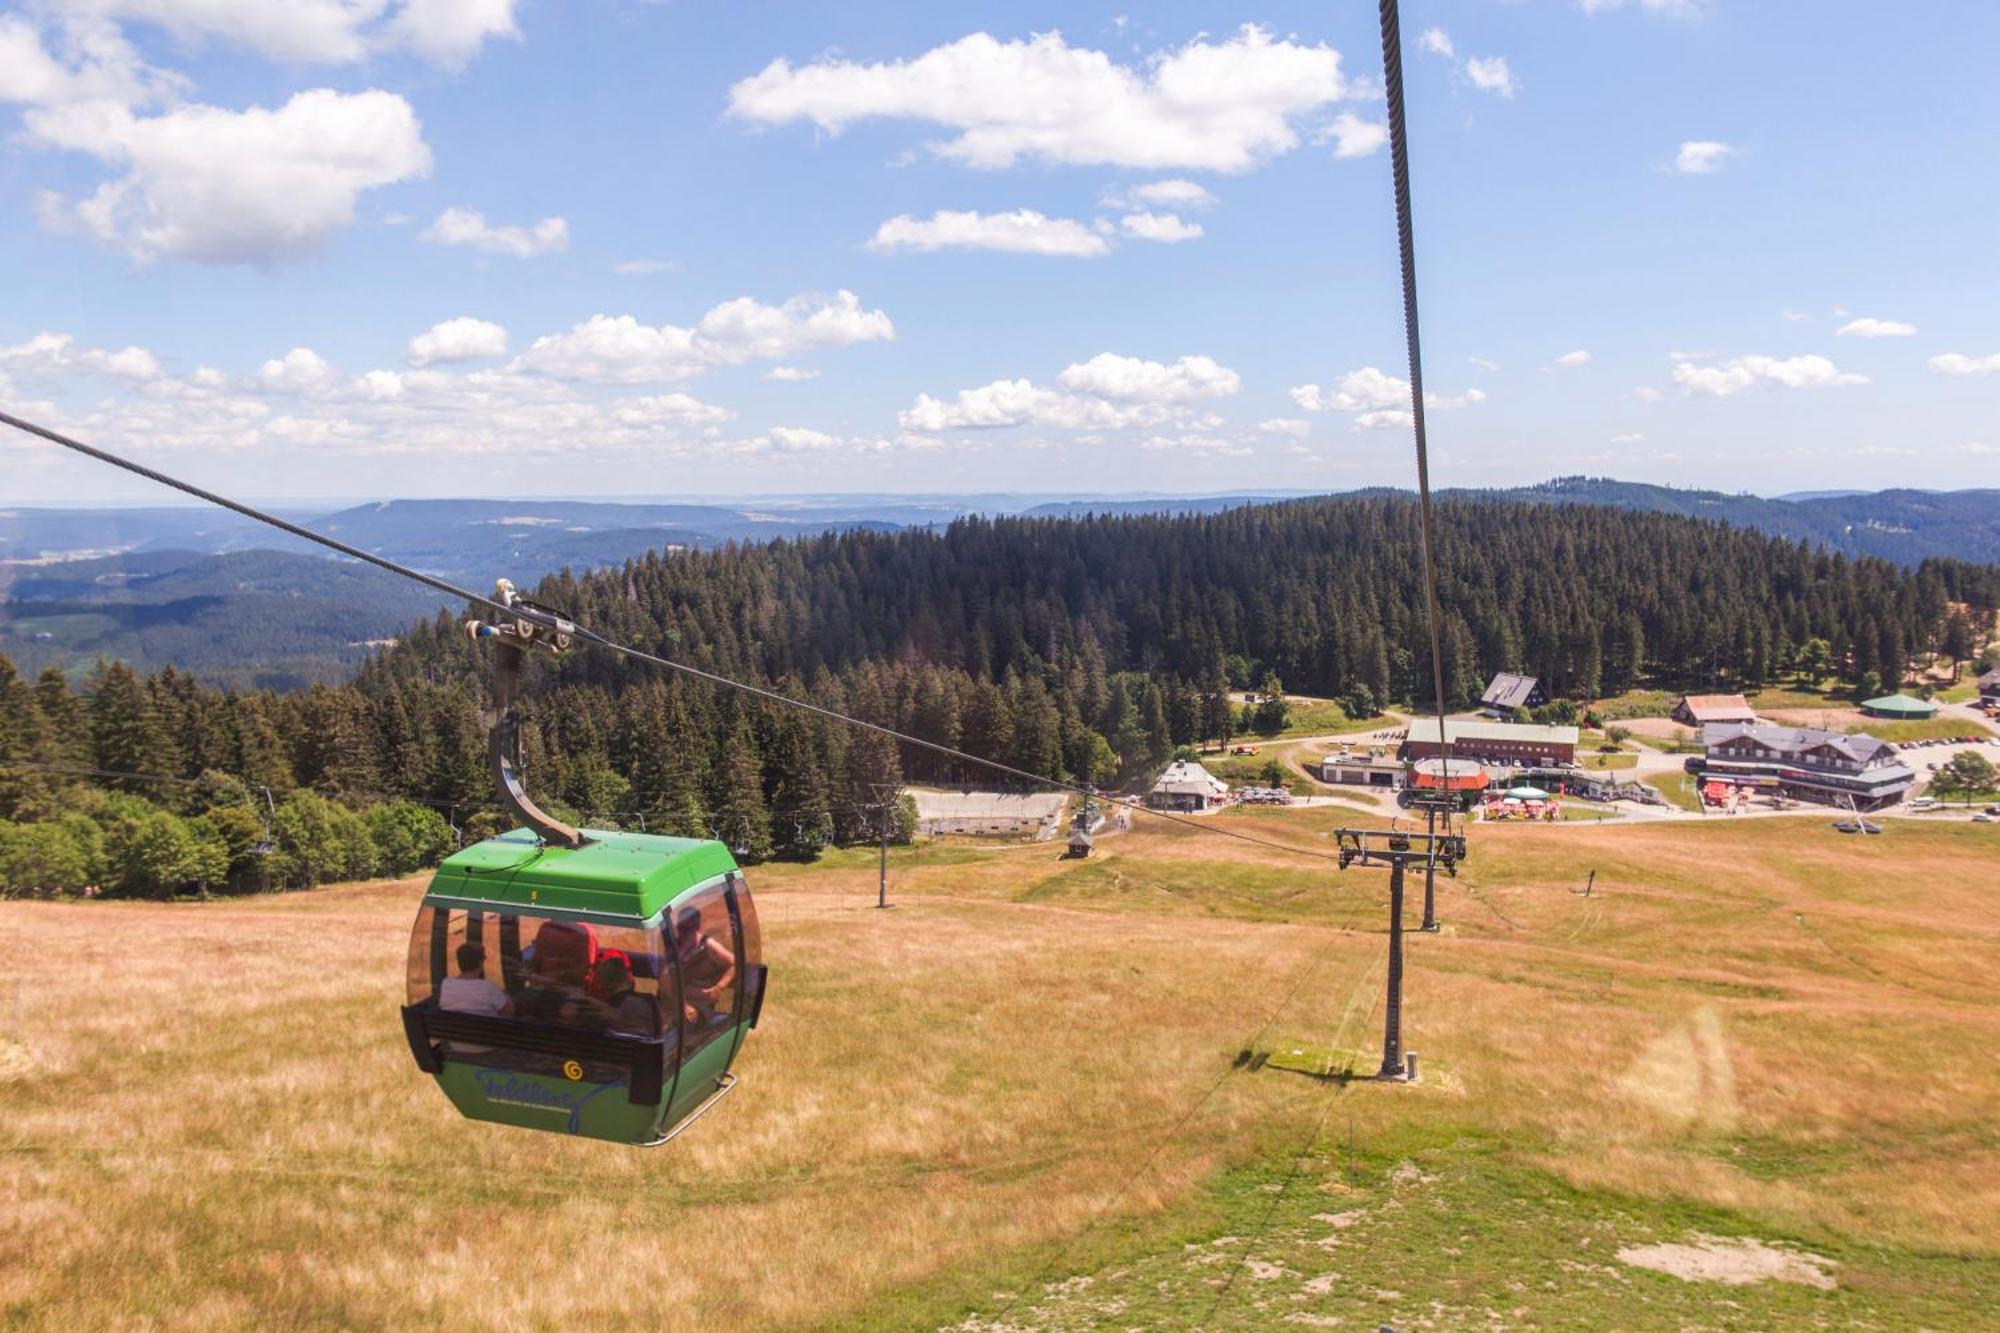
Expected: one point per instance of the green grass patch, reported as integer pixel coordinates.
(1436, 1225)
(1826, 694)
(1675, 788)
(1635, 703)
(1604, 761)
(1324, 717)
(1922, 729)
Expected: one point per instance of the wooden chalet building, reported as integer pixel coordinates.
(1828, 767)
(1510, 691)
(1187, 787)
(1698, 710)
(1989, 685)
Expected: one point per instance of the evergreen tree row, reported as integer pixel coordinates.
(1088, 649)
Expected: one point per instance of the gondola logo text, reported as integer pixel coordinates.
(507, 1089)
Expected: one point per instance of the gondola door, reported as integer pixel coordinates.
(708, 949)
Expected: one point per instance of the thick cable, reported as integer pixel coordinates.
(591, 636)
(1406, 244)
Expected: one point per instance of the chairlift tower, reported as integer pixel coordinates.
(1398, 850)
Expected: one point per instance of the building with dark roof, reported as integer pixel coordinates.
(1989, 685)
(1829, 767)
(1698, 710)
(1510, 691)
(1494, 743)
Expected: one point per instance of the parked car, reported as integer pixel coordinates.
(1982, 818)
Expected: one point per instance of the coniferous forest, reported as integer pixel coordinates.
(1086, 649)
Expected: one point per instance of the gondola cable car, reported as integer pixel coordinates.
(587, 982)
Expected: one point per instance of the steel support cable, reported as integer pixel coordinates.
(593, 637)
(1406, 244)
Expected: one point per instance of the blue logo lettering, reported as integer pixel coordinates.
(510, 1089)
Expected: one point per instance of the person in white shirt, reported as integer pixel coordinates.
(470, 992)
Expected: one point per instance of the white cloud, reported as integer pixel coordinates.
(1484, 363)
(1866, 327)
(669, 409)
(1220, 106)
(1958, 363)
(468, 227)
(1646, 393)
(301, 370)
(1630, 437)
(1023, 231)
(1292, 427)
(324, 32)
(633, 267)
(450, 32)
(1008, 403)
(1107, 392)
(615, 349)
(1379, 400)
(1490, 74)
(51, 354)
(618, 349)
(1700, 157)
(746, 329)
(790, 374)
(220, 186)
(460, 339)
(97, 65)
(1128, 379)
(421, 412)
(1745, 372)
(1165, 227)
(1577, 358)
(1437, 43)
(1160, 194)
(1794, 316)
(1355, 137)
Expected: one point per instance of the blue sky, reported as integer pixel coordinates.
(435, 247)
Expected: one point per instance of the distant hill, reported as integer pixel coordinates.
(1906, 526)
(254, 618)
(243, 604)
(1158, 505)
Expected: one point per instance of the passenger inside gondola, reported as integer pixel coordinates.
(626, 1009)
(470, 992)
(558, 973)
(708, 970)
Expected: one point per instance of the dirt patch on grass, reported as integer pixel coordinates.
(1735, 1263)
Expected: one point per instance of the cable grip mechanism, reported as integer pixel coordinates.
(529, 626)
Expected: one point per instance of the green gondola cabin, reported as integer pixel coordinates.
(602, 990)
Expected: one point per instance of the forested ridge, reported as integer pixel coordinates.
(1083, 648)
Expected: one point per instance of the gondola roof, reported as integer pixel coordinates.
(614, 874)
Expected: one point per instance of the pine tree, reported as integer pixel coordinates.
(124, 729)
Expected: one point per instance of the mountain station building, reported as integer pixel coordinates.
(1187, 787)
(1827, 767)
(1494, 743)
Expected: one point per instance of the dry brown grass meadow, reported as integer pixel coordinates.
(1020, 1072)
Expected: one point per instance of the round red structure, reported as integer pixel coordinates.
(1463, 775)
